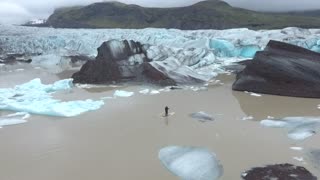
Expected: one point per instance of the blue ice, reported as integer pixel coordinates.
(36, 98)
(225, 48)
(191, 163)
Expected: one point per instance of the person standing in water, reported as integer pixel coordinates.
(166, 110)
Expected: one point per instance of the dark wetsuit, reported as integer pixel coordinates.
(166, 109)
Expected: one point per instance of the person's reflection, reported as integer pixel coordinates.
(276, 106)
(166, 120)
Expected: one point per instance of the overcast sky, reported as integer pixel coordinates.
(18, 11)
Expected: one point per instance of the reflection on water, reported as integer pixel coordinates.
(276, 106)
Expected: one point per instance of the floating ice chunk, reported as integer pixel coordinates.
(300, 159)
(202, 116)
(153, 92)
(299, 128)
(297, 148)
(191, 163)
(247, 118)
(35, 97)
(14, 119)
(273, 123)
(298, 134)
(255, 94)
(145, 91)
(120, 93)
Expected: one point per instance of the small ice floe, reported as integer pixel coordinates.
(17, 70)
(202, 116)
(299, 128)
(120, 93)
(106, 98)
(191, 163)
(14, 119)
(37, 67)
(247, 118)
(153, 92)
(300, 159)
(36, 98)
(296, 148)
(145, 91)
(255, 94)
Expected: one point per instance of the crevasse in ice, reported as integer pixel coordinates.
(36, 98)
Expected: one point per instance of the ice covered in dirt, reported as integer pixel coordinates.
(191, 163)
(36, 98)
(298, 128)
(201, 54)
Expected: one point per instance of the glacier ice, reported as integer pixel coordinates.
(120, 93)
(36, 98)
(14, 119)
(298, 128)
(191, 163)
(202, 116)
(184, 55)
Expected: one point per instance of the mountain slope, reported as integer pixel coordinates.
(210, 14)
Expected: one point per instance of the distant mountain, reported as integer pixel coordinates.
(210, 14)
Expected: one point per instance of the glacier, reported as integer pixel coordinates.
(298, 128)
(191, 163)
(201, 52)
(37, 98)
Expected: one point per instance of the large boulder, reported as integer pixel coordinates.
(282, 69)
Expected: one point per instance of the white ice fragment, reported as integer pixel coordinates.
(202, 116)
(191, 163)
(17, 70)
(273, 123)
(120, 93)
(301, 134)
(296, 148)
(255, 94)
(154, 92)
(299, 128)
(247, 118)
(108, 97)
(145, 91)
(36, 98)
(300, 159)
(14, 119)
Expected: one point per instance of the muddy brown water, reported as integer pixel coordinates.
(121, 140)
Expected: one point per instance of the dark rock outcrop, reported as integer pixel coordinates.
(120, 61)
(14, 58)
(282, 69)
(279, 171)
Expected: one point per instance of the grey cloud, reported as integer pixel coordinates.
(17, 11)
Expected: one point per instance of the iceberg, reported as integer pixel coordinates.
(191, 163)
(298, 128)
(36, 98)
(120, 93)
